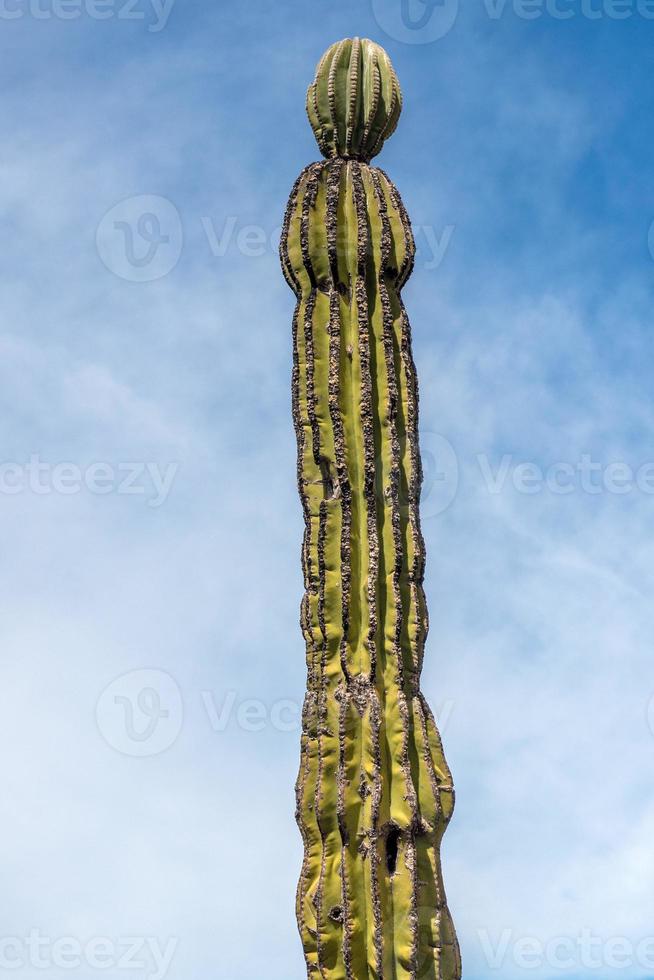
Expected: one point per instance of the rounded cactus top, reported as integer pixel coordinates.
(355, 101)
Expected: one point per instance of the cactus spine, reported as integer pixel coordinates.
(374, 792)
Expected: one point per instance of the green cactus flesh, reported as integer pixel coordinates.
(374, 793)
(355, 100)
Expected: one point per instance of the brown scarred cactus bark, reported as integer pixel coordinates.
(374, 793)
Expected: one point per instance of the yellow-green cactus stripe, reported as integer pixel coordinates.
(374, 792)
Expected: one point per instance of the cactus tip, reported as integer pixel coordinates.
(354, 101)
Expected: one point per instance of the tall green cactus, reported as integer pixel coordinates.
(374, 793)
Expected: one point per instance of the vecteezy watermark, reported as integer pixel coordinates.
(251, 714)
(586, 951)
(567, 9)
(585, 474)
(253, 241)
(425, 21)
(498, 475)
(416, 21)
(143, 953)
(140, 713)
(155, 13)
(141, 238)
(285, 715)
(145, 479)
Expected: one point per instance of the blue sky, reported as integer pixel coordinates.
(150, 579)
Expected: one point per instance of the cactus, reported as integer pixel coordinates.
(374, 792)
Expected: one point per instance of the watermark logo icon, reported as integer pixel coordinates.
(440, 474)
(415, 21)
(140, 239)
(440, 477)
(650, 239)
(650, 714)
(140, 713)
